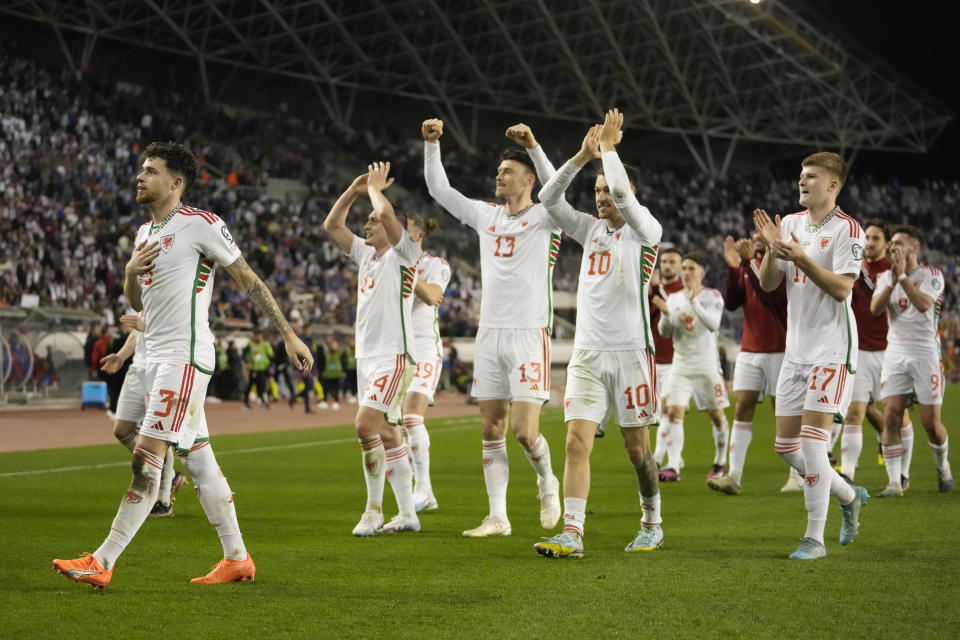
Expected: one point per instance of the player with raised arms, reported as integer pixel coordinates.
(692, 318)
(761, 350)
(518, 248)
(433, 275)
(818, 252)
(170, 278)
(387, 258)
(611, 371)
(911, 293)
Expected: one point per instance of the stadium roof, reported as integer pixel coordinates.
(707, 70)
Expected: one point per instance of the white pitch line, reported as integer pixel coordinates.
(456, 426)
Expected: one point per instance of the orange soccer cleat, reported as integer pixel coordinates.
(229, 571)
(87, 569)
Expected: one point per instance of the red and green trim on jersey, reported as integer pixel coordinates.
(163, 223)
(204, 269)
(552, 253)
(407, 277)
(648, 258)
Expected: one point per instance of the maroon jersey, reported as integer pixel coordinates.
(871, 329)
(663, 346)
(764, 312)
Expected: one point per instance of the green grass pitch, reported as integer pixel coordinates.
(723, 572)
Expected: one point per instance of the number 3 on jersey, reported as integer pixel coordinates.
(505, 246)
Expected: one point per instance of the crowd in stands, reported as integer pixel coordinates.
(69, 152)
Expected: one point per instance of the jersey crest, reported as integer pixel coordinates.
(166, 242)
(823, 244)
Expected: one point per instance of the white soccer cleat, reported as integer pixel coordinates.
(892, 490)
(335, 406)
(491, 526)
(550, 510)
(425, 503)
(370, 523)
(400, 523)
(794, 483)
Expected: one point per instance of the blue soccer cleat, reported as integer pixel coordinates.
(563, 545)
(809, 549)
(851, 515)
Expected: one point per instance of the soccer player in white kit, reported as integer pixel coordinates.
(387, 258)
(433, 276)
(911, 294)
(692, 318)
(518, 248)
(612, 370)
(170, 278)
(132, 407)
(818, 251)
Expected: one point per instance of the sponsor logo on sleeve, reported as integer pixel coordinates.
(226, 234)
(857, 251)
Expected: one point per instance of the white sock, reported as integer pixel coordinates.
(650, 506)
(740, 439)
(166, 478)
(574, 515)
(721, 440)
(496, 475)
(789, 450)
(136, 506)
(373, 471)
(851, 444)
(906, 438)
(216, 498)
(940, 454)
(893, 457)
(420, 449)
(835, 429)
(663, 434)
(675, 445)
(817, 478)
(539, 457)
(401, 477)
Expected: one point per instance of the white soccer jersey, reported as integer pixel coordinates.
(820, 329)
(176, 293)
(911, 330)
(693, 325)
(517, 252)
(385, 297)
(612, 311)
(140, 348)
(426, 327)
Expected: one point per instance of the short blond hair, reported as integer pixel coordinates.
(828, 160)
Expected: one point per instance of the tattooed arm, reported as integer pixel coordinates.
(263, 299)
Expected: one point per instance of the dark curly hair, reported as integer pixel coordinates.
(519, 156)
(178, 158)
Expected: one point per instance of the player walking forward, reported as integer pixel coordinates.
(387, 258)
(761, 351)
(665, 280)
(692, 318)
(872, 331)
(170, 278)
(911, 294)
(612, 370)
(818, 253)
(433, 275)
(518, 248)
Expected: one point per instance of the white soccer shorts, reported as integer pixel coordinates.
(617, 383)
(826, 388)
(867, 383)
(175, 404)
(918, 374)
(663, 375)
(757, 372)
(384, 380)
(512, 364)
(132, 403)
(708, 389)
(425, 377)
